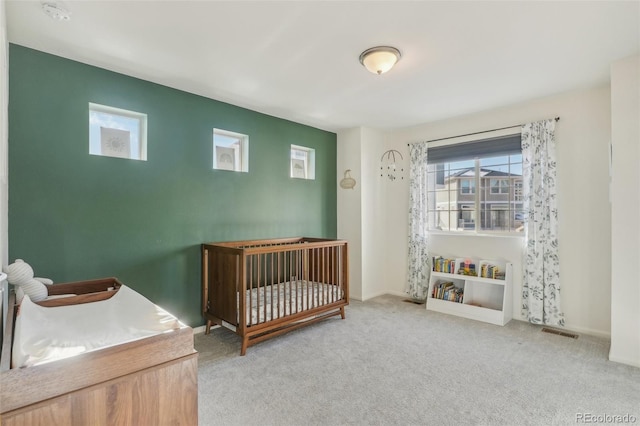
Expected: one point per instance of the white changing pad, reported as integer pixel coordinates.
(44, 334)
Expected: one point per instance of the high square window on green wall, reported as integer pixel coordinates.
(303, 162)
(115, 132)
(230, 151)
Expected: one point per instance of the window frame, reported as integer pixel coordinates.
(239, 154)
(121, 113)
(458, 208)
(308, 162)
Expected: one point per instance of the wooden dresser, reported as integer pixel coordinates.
(149, 381)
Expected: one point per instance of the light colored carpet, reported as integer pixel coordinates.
(394, 363)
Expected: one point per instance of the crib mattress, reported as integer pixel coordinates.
(44, 334)
(288, 298)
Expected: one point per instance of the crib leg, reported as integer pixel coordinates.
(245, 343)
(208, 329)
(342, 312)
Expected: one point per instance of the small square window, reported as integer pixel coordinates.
(115, 132)
(303, 162)
(230, 151)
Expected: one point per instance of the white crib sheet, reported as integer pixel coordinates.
(44, 334)
(289, 298)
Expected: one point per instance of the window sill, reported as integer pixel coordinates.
(485, 234)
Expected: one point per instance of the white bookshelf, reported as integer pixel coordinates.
(483, 299)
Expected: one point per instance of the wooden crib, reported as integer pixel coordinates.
(262, 288)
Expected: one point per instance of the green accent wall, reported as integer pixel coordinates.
(75, 216)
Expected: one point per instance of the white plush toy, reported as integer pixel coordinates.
(20, 274)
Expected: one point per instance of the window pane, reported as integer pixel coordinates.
(115, 132)
(230, 151)
(484, 193)
(302, 164)
(442, 220)
(494, 161)
(497, 220)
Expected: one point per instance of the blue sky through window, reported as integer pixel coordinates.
(98, 119)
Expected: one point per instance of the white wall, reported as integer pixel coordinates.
(349, 205)
(4, 189)
(362, 211)
(583, 135)
(625, 213)
(373, 215)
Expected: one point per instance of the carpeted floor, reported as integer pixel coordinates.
(394, 363)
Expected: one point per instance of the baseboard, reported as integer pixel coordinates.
(569, 327)
(203, 328)
(384, 293)
(589, 331)
(621, 360)
(398, 293)
(577, 330)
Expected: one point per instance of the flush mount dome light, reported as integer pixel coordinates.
(380, 59)
(56, 11)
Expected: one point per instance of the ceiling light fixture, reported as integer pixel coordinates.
(56, 11)
(380, 59)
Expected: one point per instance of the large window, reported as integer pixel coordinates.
(476, 186)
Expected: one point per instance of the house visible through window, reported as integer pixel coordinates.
(476, 186)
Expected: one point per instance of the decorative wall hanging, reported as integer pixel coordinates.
(389, 165)
(347, 182)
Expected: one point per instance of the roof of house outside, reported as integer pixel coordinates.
(470, 172)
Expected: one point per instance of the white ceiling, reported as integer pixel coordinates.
(299, 59)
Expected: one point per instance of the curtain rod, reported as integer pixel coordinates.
(482, 131)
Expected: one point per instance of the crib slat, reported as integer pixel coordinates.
(289, 279)
(250, 307)
(334, 281)
(272, 286)
(279, 279)
(324, 280)
(263, 281)
(331, 281)
(300, 277)
(310, 278)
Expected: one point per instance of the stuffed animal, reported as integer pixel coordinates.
(20, 274)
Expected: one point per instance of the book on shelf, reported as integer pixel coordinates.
(447, 290)
(467, 268)
(440, 264)
(492, 271)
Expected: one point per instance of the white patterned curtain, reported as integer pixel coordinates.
(541, 265)
(419, 269)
